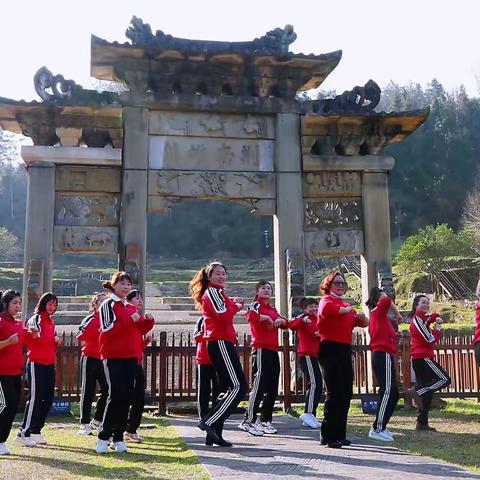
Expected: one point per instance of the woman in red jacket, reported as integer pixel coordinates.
(207, 288)
(336, 321)
(11, 362)
(308, 342)
(383, 344)
(208, 384)
(430, 376)
(119, 325)
(264, 324)
(91, 369)
(138, 403)
(40, 369)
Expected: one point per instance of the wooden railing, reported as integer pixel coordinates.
(170, 368)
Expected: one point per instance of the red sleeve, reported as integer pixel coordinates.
(296, 323)
(214, 304)
(383, 306)
(436, 333)
(477, 313)
(432, 318)
(252, 316)
(329, 308)
(146, 342)
(144, 325)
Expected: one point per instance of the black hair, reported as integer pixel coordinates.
(133, 294)
(6, 297)
(304, 302)
(374, 297)
(416, 300)
(44, 299)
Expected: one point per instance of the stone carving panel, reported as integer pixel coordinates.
(202, 125)
(211, 184)
(81, 179)
(211, 153)
(333, 213)
(91, 209)
(333, 243)
(328, 184)
(85, 239)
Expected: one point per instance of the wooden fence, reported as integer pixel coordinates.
(170, 368)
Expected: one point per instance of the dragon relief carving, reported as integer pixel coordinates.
(345, 213)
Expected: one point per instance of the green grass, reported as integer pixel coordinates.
(163, 455)
(456, 440)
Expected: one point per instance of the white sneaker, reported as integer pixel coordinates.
(388, 434)
(266, 427)
(95, 425)
(381, 436)
(309, 420)
(120, 447)
(4, 449)
(132, 437)
(38, 438)
(250, 428)
(25, 441)
(85, 429)
(102, 446)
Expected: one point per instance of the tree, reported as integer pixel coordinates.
(8, 244)
(471, 213)
(432, 248)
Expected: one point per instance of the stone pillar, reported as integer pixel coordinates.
(288, 220)
(133, 214)
(376, 219)
(37, 273)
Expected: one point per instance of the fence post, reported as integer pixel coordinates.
(405, 366)
(287, 397)
(162, 373)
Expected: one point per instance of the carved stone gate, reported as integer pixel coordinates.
(206, 120)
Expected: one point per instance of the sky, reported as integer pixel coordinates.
(411, 40)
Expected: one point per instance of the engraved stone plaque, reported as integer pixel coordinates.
(211, 184)
(83, 179)
(328, 184)
(333, 243)
(85, 239)
(333, 213)
(92, 209)
(211, 125)
(211, 154)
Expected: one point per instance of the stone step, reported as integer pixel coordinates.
(72, 299)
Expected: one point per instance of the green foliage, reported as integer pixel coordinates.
(8, 244)
(431, 248)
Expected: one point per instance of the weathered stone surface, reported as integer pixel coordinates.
(211, 184)
(211, 125)
(81, 179)
(332, 213)
(211, 154)
(328, 184)
(98, 209)
(94, 157)
(333, 243)
(85, 239)
(354, 163)
(69, 137)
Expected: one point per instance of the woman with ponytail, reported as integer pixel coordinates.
(208, 291)
(430, 376)
(383, 344)
(264, 323)
(119, 326)
(41, 356)
(11, 362)
(91, 369)
(308, 342)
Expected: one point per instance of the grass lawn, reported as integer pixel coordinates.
(163, 455)
(456, 441)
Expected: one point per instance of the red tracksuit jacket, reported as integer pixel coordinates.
(476, 333)
(332, 325)
(41, 349)
(383, 337)
(218, 313)
(422, 337)
(11, 357)
(118, 332)
(202, 356)
(89, 334)
(308, 343)
(263, 336)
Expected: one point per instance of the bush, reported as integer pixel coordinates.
(8, 244)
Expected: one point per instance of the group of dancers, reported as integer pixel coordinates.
(115, 334)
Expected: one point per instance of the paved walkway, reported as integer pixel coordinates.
(295, 453)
